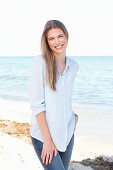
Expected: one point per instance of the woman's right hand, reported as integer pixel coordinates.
(48, 150)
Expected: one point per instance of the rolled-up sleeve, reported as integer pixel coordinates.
(36, 87)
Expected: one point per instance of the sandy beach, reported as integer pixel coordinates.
(93, 138)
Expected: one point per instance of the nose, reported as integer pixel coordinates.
(57, 41)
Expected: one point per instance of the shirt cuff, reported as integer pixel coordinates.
(36, 111)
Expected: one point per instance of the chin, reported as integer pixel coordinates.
(59, 51)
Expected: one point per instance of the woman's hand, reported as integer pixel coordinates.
(47, 152)
(76, 120)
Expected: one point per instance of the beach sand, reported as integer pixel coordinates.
(93, 138)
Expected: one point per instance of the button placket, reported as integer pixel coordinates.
(64, 99)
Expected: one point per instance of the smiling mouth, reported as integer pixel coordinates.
(59, 46)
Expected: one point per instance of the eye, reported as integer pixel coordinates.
(60, 36)
(50, 39)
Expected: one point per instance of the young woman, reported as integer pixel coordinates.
(53, 122)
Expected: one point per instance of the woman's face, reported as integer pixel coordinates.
(57, 41)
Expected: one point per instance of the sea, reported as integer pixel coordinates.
(93, 84)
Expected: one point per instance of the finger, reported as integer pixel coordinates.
(47, 159)
(44, 160)
(42, 154)
(51, 156)
(44, 157)
(55, 152)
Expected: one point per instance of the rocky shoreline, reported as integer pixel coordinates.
(21, 131)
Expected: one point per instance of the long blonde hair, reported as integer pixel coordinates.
(51, 67)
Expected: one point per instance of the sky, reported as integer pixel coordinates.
(89, 23)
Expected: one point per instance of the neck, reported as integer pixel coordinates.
(60, 59)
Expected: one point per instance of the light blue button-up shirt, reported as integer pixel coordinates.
(57, 105)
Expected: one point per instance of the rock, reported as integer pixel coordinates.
(78, 166)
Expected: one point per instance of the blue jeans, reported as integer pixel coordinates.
(61, 161)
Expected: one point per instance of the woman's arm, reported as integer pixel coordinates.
(42, 123)
(76, 120)
(38, 107)
(48, 147)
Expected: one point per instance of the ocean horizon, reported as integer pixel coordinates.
(93, 85)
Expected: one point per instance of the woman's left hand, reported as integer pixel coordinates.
(76, 120)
